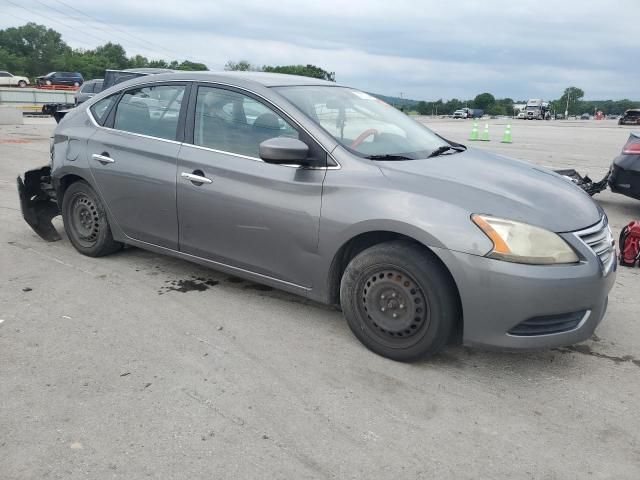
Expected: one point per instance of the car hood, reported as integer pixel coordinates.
(482, 182)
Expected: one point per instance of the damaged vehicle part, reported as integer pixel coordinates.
(625, 170)
(630, 117)
(38, 202)
(585, 182)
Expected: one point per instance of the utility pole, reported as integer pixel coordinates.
(566, 111)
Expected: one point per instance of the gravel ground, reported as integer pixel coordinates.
(138, 365)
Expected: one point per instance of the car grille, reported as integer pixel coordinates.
(600, 240)
(548, 324)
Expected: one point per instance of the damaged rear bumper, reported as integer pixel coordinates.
(38, 202)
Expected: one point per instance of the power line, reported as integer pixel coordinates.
(113, 27)
(65, 14)
(33, 12)
(84, 32)
(17, 17)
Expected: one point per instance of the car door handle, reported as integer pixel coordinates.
(102, 158)
(196, 178)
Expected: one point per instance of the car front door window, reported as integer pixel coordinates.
(231, 122)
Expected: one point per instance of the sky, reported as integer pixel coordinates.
(424, 50)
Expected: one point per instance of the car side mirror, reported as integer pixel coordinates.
(284, 151)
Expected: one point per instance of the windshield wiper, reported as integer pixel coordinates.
(388, 157)
(445, 148)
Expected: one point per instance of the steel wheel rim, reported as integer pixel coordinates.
(85, 220)
(393, 306)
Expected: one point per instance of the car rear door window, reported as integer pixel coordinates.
(152, 111)
(232, 122)
(101, 108)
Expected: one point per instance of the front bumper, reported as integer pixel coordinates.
(498, 296)
(38, 202)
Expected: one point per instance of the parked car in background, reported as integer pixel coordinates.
(585, 116)
(324, 191)
(73, 79)
(10, 80)
(468, 113)
(113, 77)
(630, 117)
(88, 90)
(625, 170)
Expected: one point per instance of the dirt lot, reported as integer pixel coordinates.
(138, 365)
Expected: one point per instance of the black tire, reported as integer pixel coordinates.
(399, 301)
(85, 221)
(22, 84)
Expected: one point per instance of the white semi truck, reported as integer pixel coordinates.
(537, 109)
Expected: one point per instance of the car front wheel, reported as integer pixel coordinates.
(22, 84)
(85, 221)
(399, 300)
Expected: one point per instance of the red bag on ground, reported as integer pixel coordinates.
(630, 244)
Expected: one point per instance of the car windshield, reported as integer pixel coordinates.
(364, 124)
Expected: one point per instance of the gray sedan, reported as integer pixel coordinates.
(327, 192)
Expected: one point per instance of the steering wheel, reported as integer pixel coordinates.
(363, 136)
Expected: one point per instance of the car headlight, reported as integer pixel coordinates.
(522, 243)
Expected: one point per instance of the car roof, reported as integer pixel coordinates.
(238, 78)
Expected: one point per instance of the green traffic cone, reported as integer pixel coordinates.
(506, 138)
(485, 133)
(474, 131)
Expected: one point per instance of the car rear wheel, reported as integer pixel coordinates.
(22, 84)
(85, 221)
(48, 82)
(399, 300)
(76, 84)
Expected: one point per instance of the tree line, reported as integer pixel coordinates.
(304, 70)
(485, 101)
(571, 100)
(33, 50)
